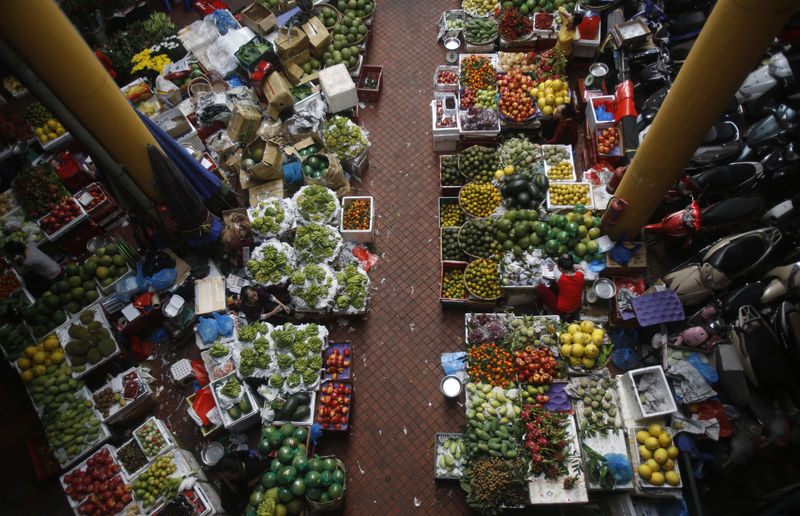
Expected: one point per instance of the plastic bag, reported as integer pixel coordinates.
(212, 108)
(198, 34)
(310, 117)
(127, 287)
(164, 279)
(453, 363)
(622, 254)
(208, 330)
(292, 171)
(365, 258)
(159, 336)
(203, 403)
(224, 324)
(708, 372)
(142, 349)
(199, 369)
(620, 467)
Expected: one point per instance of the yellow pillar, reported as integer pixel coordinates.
(732, 42)
(39, 31)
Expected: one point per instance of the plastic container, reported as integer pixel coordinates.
(446, 266)
(182, 371)
(445, 87)
(439, 451)
(246, 419)
(370, 94)
(55, 235)
(358, 235)
(444, 201)
(135, 473)
(589, 206)
(341, 347)
(589, 26)
(349, 397)
(631, 380)
(168, 444)
(63, 336)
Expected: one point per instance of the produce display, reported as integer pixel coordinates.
(274, 437)
(446, 77)
(451, 248)
(156, 483)
(595, 403)
(523, 270)
(479, 199)
(574, 232)
(537, 366)
(657, 456)
(14, 336)
(337, 362)
(9, 283)
(295, 407)
(453, 286)
(358, 8)
(569, 194)
(105, 399)
(328, 16)
(478, 163)
(483, 98)
(316, 203)
(514, 25)
(356, 215)
(342, 48)
(549, 65)
(477, 238)
(271, 217)
(560, 172)
(555, 154)
(480, 7)
(514, 61)
(450, 456)
(54, 383)
(45, 126)
(250, 52)
(489, 365)
(106, 264)
(333, 410)
(90, 341)
(44, 315)
(38, 190)
(351, 27)
(97, 194)
(479, 30)
(523, 190)
(494, 481)
(317, 243)
(550, 93)
(583, 344)
(479, 119)
(477, 73)
(482, 279)
(515, 231)
(78, 288)
(271, 262)
(72, 427)
(313, 286)
(100, 482)
(607, 140)
(12, 130)
(352, 293)
(515, 102)
(521, 154)
(131, 456)
(445, 112)
(547, 441)
(543, 21)
(151, 439)
(344, 138)
(451, 214)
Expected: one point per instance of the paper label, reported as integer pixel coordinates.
(86, 199)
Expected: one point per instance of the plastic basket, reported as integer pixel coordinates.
(589, 26)
(369, 94)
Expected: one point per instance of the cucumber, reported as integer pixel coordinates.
(483, 447)
(494, 444)
(510, 454)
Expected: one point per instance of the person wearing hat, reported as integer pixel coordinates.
(567, 302)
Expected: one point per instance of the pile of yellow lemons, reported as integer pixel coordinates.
(658, 454)
(36, 359)
(480, 7)
(581, 343)
(51, 130)
(550, 94)
(506, 171)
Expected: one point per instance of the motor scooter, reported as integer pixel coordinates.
(699, 338)
(786, 321)
(765, 361)
(729, 258)
(683, 223)
(722, 178)
(775, 129)
(776, 70)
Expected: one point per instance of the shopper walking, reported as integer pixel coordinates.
(239, 473)
(569, 281)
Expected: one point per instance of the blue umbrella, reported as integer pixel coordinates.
(204, 182)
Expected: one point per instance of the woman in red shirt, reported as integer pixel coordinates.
(570, 289)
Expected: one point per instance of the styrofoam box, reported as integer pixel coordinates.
(589, 205)
(445, 87)
(338, 87)
(587, 47)
(575, 175)
(630, 380)
(442, 131)
(358, 235)
(169, 442)
(591, 118)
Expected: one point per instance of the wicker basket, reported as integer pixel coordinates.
(198, 87)
(371, 13)
(472, 294)
(458, 237)
(462, 171)
(331, 505)
(318, 8)
(461, 204)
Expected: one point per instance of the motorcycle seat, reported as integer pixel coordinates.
(738, 255)
(720, 132)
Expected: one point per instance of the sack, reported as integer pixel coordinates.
(163, 279)
(208, 330)
(224, 324)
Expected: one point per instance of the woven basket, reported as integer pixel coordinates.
(371, 13)
(472, 293)
(463, 250)
(318, 9)
(199, 87)
(462, 171)
(331, 505)
(461, 204)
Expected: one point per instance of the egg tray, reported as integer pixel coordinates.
(637, 461)
(659, 307)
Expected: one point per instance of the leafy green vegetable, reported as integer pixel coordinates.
(268, 216)
(247, 333)
(293, 380)
(276, 380)
(352, 288)
(314, 344)
(315, 362)
(299, 348)
(270, 264)
(310, 376)
(300, 364)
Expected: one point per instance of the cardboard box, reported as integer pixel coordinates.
(318, 36)
(638, 261)
(303, 141)
(244, 122)
(313, 76)
(173, 122)
(293, 73)
(338, 87)
(290, 43)
(258, 18)
(276, 90)
(261, 191)
(271, 164)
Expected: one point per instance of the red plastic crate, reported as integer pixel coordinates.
(369, 72)
(43, 461)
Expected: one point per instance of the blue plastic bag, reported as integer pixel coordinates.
(453, 363)
(207, 329)
(708, 372)
(127, 288)
(620, 467)
(224, 324)
(159, 336)
(163, 279)
(292, 171)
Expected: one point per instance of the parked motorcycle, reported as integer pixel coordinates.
(776, 71)
(729, 258)
(775, 129)
(683, 223)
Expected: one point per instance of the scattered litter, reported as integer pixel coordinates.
(380, 432)
(359, 467)
(412, 326)
(382, 280)
(417, 502)
(341, 321)
(412, 290)
(405, 430)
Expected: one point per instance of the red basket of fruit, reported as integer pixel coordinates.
(62, 218)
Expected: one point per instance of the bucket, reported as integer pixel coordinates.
(212, 453)
(589, 26)
(451, 386)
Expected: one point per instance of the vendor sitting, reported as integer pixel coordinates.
(38, 270)
(258, 305)
(570, 289)
(568, 33)
(239, 472)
